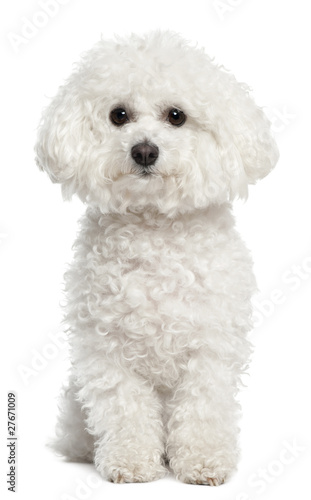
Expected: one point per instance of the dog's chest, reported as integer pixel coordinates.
(149, 283)
(156, 266)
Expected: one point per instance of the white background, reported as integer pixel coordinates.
(265, 43)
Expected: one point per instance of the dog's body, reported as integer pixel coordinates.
(160, 287)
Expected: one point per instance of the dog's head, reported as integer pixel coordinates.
(152, 121)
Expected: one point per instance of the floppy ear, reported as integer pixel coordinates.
(248, 149)
(63, 134)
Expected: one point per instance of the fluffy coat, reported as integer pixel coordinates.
(159, 290)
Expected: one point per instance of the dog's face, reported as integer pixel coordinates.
(151, 121)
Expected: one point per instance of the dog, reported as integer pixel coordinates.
(157, 141)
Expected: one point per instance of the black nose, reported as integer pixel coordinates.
(145, 154)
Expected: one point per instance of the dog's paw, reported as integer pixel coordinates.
(203, 476)
(201, 471)
(136, 473)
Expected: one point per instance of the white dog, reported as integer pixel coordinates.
(157, 141)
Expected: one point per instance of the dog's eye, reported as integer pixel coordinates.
(176, 117)
(118, 117)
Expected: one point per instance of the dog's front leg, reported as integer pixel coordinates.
(125, 416)
(202, 425)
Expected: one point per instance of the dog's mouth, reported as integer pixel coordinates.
(146, 172)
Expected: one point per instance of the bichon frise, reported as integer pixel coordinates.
(157, 141)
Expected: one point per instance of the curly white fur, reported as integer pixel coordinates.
(159, 291)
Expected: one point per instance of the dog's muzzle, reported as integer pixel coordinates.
(145, 155)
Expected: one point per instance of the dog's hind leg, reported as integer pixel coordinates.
(72, 440)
